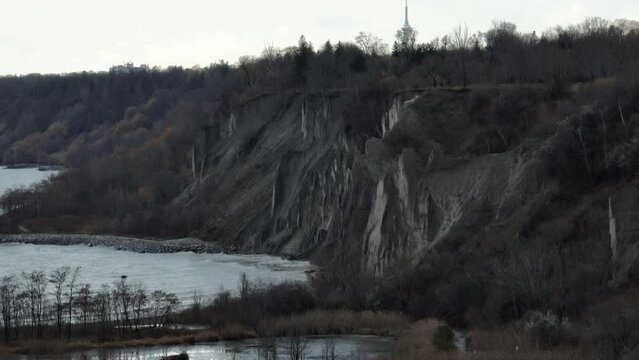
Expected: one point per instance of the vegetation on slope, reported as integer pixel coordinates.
(130, 142)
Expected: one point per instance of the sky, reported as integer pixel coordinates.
(61, 36)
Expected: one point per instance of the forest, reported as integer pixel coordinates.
(37, 306)
(131, 141)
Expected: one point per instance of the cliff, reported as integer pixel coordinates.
(373, 179)
(296, 175)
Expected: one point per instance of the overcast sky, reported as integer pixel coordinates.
(55, 36)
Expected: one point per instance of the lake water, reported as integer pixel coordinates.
(346, 348)
(16, 178)
(180, 273)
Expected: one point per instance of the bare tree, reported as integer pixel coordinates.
(83, 302)
(198, 300)
(526, 276)
(329, 349)
(58, 279)
(35, 290)
(462, 42)
(267, 350)
(406, 40)
(139, 303)
(103, 308)
(23, 304)
(122, 299)
(250, 71)
(244, 287)
(272, 66)
(20, 311)
(70, 294)
(8, 289)
(371, 44)
(296, 346)
(162, 304)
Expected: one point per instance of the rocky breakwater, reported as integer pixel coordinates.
(116, 242)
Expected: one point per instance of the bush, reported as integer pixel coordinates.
(182, 356)
(338, 322)
(631, 354)
(252, 303)
(444, 338)
(614, 325)
(547, 330)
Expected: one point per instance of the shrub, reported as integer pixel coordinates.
(337, 322)
(614, 325)
(546, 329)
(182, 356)
(444, 338)
(252, 303)
(631, 354)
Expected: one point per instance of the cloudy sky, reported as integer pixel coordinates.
(58, 36)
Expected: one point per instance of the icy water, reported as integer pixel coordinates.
(16, 178)
(315, 348)
(180, 273)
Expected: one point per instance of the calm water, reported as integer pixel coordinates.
(16, 178)
(181, 273)
(346, 348)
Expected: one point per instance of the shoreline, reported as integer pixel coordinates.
(38, 167)
(310, 324)
(123, 243)
(186, 340)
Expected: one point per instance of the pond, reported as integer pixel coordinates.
(313, 348)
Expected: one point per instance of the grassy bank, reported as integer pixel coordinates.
(499, 344)
(338, 322)
(55, 347)
(295, 310)
(415, 339)
(315, 322)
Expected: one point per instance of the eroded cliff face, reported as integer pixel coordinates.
(624, 229)
(296, 175)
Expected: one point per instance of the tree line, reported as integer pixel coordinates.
(579, 53)
(134, 142)
(37, 305)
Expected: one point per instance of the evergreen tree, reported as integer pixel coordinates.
(303, 56)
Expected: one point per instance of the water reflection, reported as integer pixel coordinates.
(313, 348)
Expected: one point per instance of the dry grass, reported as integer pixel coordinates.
(497, 355)
(501, 339)
(5, 350)
(321, 322)
(416, 341)
(39, 347)
(229, 332)
(236, 332)
(312, 323)
(501, 344)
